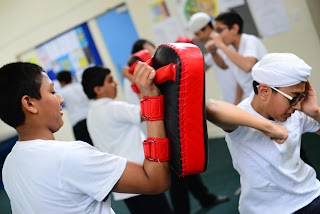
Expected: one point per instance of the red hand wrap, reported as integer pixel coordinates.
(152, 108)
(157, 149)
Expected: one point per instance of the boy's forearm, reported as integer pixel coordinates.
(229, 117)
(244, 63)
(158, 172)
(219, 61)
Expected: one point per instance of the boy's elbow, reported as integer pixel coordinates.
(161, 187)
(164, 187)
(211, 110)
(249, 65)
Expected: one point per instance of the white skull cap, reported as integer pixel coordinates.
(281, 70)
(198, 21)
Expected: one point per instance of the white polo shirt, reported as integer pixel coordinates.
(250, 46)
(114, 127)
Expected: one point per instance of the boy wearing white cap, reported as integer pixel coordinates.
(201, 25)
(264, 137)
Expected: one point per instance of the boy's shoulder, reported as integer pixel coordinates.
(112, 103)
(72, 149)
(65, 145)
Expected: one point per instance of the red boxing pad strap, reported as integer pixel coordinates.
(166, 73)
(131, 69)
(142, 56)
(152, 108)
(157, 149)
(184, 39)
(135, 88)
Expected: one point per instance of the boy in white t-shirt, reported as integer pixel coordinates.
(42, 175)
(242, 50)
(264, 137)
(201, 25)
(115, 127)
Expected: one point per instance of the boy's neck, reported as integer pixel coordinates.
(236, 42)
(260, 108)
(103, 96)
(27, 133)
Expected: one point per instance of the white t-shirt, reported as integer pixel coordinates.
(48, 176)
(273, 177)
(225, 79)
(76, 102)
(133, 98)
(250, 46)
(130, 95)
(114, 127)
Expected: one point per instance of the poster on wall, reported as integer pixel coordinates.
(73, 50)
(165, 28)
(158, 10)
(186, 8)
(213, 7)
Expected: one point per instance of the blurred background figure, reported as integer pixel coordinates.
(76, 104)
(201, 25)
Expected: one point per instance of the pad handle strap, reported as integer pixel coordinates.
(163, 74)
(152, 108)
(135, 88)
(157, 149)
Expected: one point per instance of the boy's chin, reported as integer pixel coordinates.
(55, 129)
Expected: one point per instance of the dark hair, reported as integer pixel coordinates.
(91, 77)
(208, 25)
(255, 84)
(64, 77)
(17, 80)
(230, 18)
(138, 45)
(255, 88)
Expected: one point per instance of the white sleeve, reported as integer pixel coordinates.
(254, 48)
(126, 113)
(129, 94)
(87, 170)
(309, 124)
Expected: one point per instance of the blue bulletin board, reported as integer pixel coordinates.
(119, 34)
(73, 50)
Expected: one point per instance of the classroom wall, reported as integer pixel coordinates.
(26, 24)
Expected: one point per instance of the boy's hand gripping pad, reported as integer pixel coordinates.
(180, 77)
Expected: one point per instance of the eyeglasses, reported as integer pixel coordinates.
(293, 100)
(219, 30)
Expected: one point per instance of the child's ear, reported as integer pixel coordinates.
(235, 28)
(263, 91)
(97, 90)
(28, 104)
